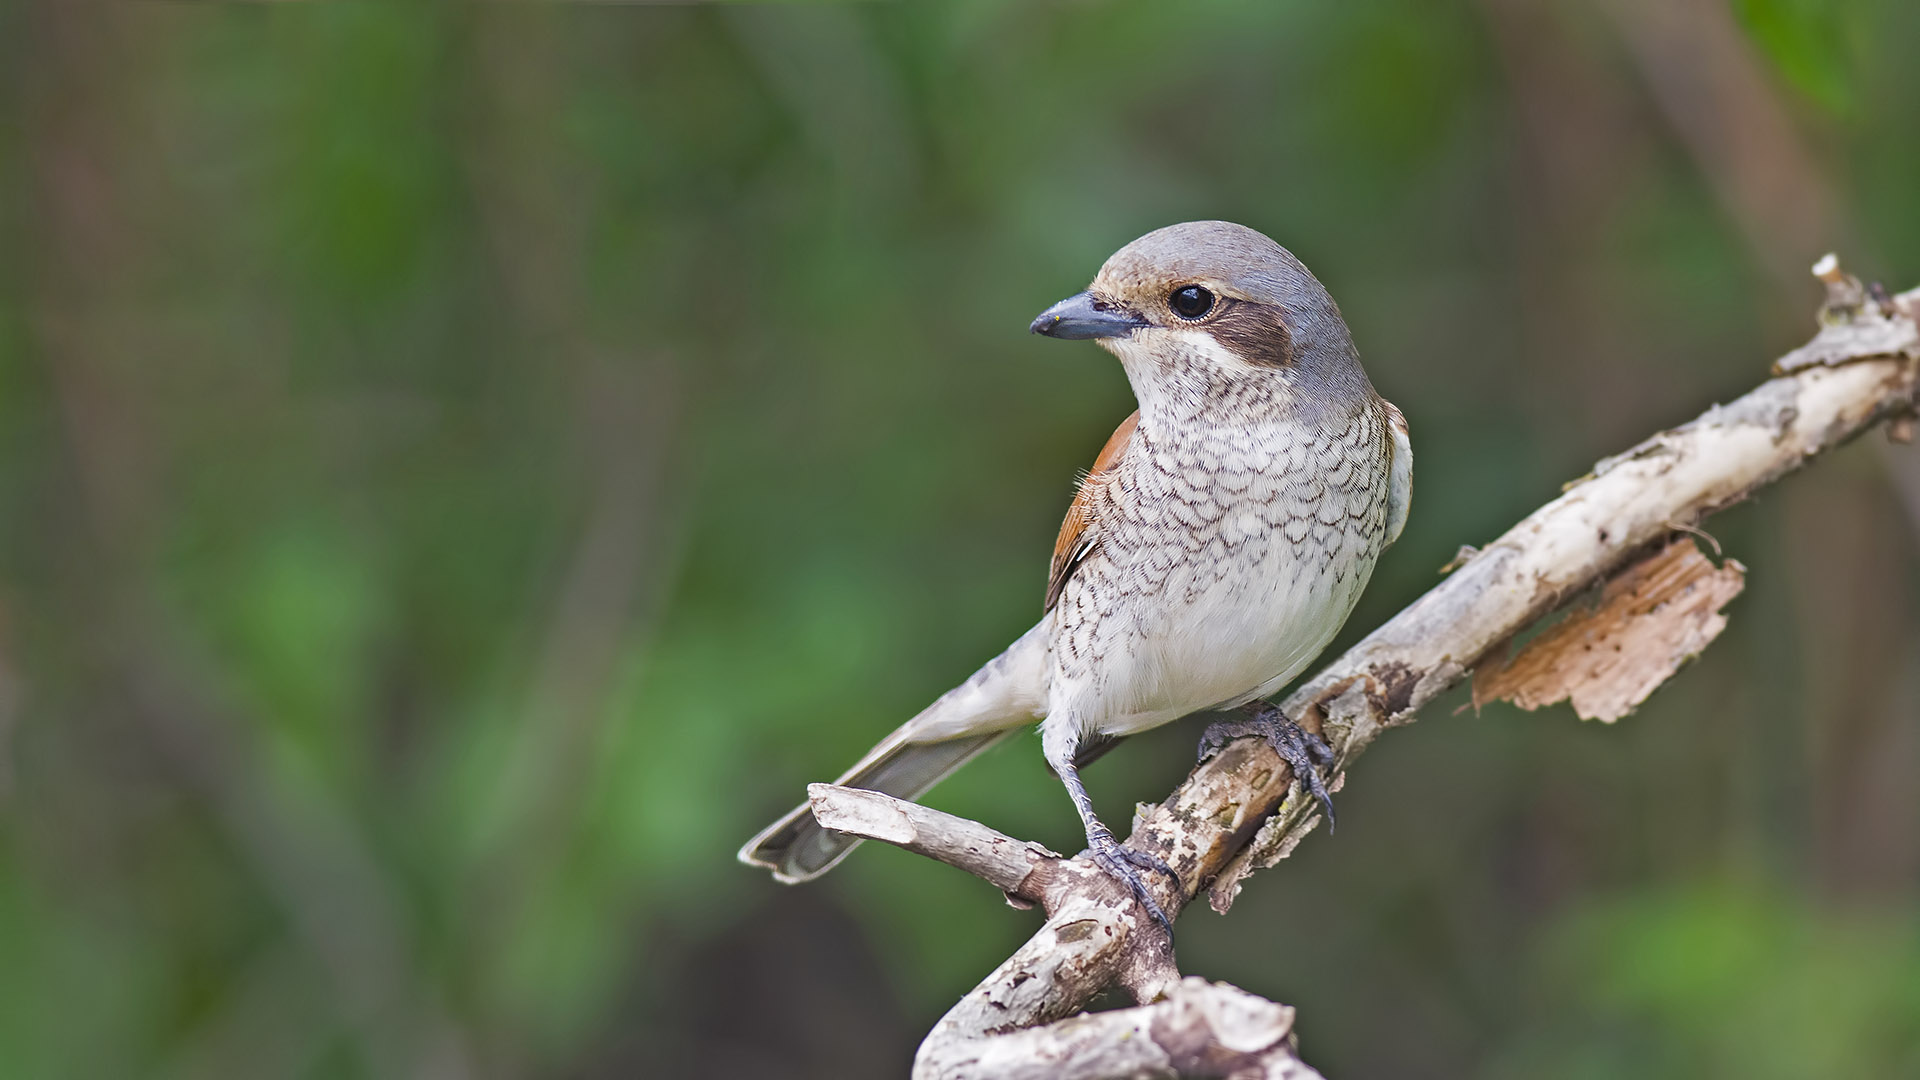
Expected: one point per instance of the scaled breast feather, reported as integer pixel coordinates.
(1077, 536)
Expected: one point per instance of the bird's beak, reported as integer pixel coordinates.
(1085, 315)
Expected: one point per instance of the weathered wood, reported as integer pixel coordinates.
(1197, 1029)
(1232, 815)
(1650, 619)
(1023, 870)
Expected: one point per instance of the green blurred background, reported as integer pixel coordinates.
(467, 467)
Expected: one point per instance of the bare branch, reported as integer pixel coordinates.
(1232, 815)
(1198, 1029)
(1016, 867)
(1090, 917)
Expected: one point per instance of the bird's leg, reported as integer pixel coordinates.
(1299, 748)
(1060, 744)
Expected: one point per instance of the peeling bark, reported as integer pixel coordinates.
(1198, 1029)
(1237, 812)
(1650, 619)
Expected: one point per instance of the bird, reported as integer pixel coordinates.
(1216, 546)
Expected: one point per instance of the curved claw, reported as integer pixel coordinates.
(1120, 861)
(1304, 752)
(1221, 732)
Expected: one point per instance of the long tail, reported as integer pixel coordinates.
(998, 699)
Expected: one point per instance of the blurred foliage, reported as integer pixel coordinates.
(1724, 978)
(466, 468)
(1808, 46)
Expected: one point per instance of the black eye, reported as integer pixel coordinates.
(1190, 301)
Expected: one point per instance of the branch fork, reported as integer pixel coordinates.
(1612, 532)
(1187, 1027)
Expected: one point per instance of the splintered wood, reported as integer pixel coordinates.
(1234, 813)
(1651, 618)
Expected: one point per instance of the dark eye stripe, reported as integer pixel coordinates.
(1258, 333)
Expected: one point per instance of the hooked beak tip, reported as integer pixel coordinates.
(1085, 315)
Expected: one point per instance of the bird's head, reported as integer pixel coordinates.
(1211, 298)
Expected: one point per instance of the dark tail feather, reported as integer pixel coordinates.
(1000, 698)
(797, 849)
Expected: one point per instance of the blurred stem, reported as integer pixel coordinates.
(1734, 121)
(308, 857)
(1709, 83)
(535, 208)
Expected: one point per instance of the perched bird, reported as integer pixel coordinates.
(1219, 542)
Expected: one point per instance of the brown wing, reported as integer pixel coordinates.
(1075, 541)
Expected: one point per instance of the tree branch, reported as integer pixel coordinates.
(1233, 815)
(1028, 873)
(1197, 1029)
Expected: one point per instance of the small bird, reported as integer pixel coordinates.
(1220, 540)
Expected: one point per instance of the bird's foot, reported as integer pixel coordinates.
(1125, 864)
(1221, 732)
(1301, 749)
